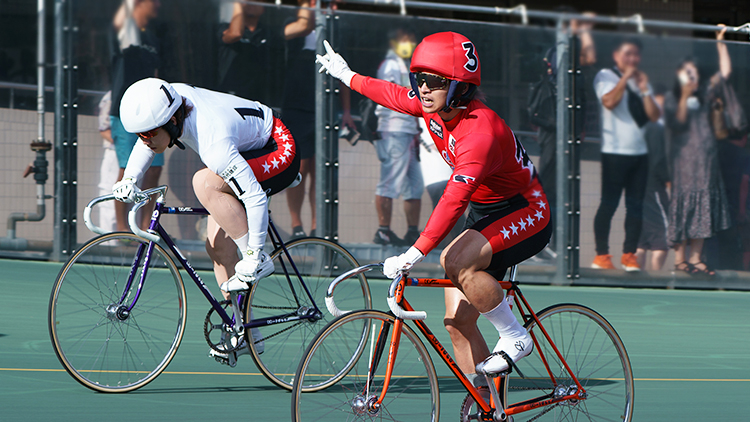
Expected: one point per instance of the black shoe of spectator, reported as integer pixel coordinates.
(387, 237)
(411, 236)
(312, 233)
(298, 232)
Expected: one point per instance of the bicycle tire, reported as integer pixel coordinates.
(595, 353)
(412, 394)
(99, 350)
(319, 261)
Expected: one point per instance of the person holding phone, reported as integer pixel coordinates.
(699, 207)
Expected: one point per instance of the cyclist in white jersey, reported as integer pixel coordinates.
(249, 155)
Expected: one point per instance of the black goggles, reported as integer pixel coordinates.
(432, 81)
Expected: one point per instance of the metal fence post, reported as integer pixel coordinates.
(66, 133)
(562, 228)
(326, 139)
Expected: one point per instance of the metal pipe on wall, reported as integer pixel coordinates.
(40, 146)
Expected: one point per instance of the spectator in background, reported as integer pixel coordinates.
(298, 108)
(729, 249)
(699, 207)
(656, 200)
(245, 53)
(108, 171)
(135, 56)
(547, 136)
(627, 104)
(398, 148)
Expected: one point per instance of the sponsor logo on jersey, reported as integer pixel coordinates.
(447, 159)
(463, 179)
(452, 144)
(436, 128)
(226, 174)
(411, 94)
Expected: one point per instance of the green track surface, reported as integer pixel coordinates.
(690, 352)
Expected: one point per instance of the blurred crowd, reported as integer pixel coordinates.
(672, 132)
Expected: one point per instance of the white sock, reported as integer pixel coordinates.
(504, 321)
(242, 243)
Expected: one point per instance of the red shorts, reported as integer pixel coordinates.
(276, 164)
(517, 229)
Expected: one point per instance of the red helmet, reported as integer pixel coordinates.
(450, 55)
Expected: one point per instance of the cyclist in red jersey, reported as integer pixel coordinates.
(508, 220)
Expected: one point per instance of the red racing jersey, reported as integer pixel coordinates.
(489, 163)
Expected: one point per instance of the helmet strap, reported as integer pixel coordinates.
(414, 85)
(450, 102)
(175, 130)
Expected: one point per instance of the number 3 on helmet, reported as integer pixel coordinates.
(450, 55)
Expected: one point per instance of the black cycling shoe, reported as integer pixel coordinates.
(411, 236)
(387, 237)
(298, 232)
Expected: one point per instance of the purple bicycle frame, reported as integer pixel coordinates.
(156, 227)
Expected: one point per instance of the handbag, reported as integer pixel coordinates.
(728, 117)
(635, 104)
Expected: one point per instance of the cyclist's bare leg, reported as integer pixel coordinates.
(218, 198)
(223, 252)
(469, 347)
(227, 221)
(464, 261)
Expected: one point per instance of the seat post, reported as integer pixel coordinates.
(513, 270)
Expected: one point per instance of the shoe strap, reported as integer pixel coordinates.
(511, 365)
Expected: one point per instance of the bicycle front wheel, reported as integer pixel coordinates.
(277, 348)
(595, 354)
(101, 343)
(337, 353)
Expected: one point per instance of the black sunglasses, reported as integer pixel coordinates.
(432, 81)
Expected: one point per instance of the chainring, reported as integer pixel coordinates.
(228, 340)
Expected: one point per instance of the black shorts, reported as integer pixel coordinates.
(517, 229)
(280, 150)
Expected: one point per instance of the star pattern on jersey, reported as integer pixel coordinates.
(282, 158)
(275, 163)
(522, 223)
(284, 137)
(538, 215)
(536, 193)
(279, 130)
(542, 205)
(530, 220)
(505, 232)
(514, 228)
(266, 167)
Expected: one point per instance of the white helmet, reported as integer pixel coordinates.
(148, 104)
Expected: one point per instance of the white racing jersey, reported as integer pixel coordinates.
(219, 127)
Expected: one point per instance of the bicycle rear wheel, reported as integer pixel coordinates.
(278, 350)
(99, 343)
(336, 354)
(594, 352)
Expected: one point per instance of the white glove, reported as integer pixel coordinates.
(125, 190)
(404, 262)
(335, 65)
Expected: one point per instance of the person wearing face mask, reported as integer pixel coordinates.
(508, 219)
(627, 104)
(397, 149)
(699, 207)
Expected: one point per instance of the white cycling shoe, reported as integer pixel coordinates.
(247, 272)
(516, 348)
